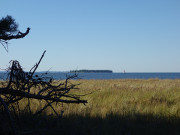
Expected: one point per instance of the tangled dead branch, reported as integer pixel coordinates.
(21, 85)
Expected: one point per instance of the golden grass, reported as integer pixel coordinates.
(126, 97)
(122, 97)
(126, 106)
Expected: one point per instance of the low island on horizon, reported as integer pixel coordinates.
(91, 71)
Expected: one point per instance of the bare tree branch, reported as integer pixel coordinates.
(17, 36)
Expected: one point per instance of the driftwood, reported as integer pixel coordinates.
(21, 85)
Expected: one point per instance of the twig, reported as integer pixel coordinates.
(36, 66)
(40, 111)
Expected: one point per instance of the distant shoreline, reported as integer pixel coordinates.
(91, 71)
(103, 75)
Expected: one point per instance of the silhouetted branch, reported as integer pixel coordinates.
(36, 66)
(20, 86)
(26, 85)
(17, 36)
(18, 93)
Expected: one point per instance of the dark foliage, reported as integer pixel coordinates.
(8, 26)
(9, 30)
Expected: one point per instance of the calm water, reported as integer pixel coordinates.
(62, 75)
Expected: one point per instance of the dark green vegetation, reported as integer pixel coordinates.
(91, 71)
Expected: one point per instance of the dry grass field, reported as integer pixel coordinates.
(127, 107)
(127, 97)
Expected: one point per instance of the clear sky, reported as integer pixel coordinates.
(131, 35)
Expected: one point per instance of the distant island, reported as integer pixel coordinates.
(91, 71)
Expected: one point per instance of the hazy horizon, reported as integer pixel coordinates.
(135, 36)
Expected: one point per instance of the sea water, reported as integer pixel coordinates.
(64, 75)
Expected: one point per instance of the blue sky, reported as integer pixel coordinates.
(131, 35)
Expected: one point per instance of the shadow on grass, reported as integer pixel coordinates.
(110, 125)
